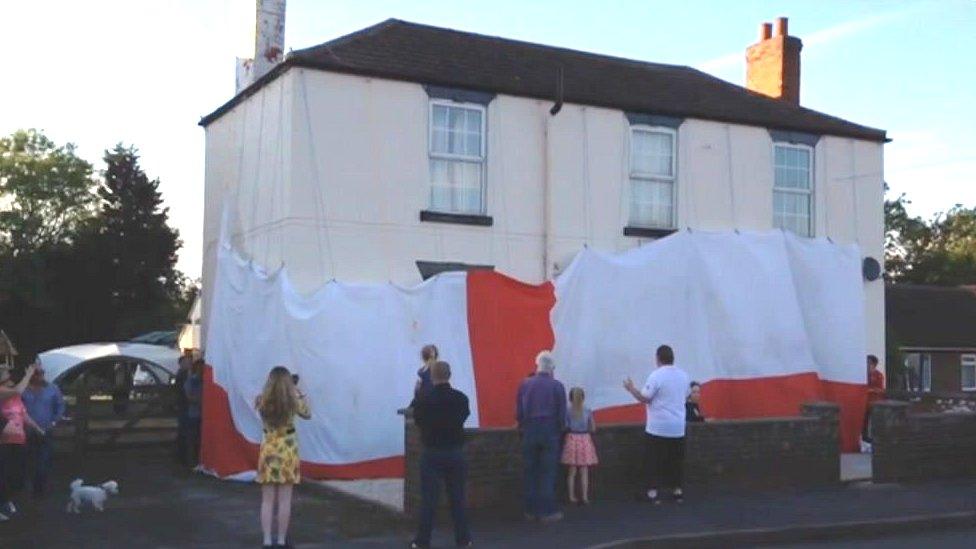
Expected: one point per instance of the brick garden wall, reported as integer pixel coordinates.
(921, 446)
(753, 454)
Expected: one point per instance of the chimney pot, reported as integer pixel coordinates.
(765, 31)
(782, 27)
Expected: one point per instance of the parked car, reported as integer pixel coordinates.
(111, 370)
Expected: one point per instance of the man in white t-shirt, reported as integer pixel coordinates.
(664, 393)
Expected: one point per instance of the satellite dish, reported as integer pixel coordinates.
(871, 269)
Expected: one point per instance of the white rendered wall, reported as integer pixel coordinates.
(353, 213)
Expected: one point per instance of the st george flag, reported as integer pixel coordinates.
(765, 321)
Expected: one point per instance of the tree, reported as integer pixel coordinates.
(46, 194)
(45, 191)
(941, 251)
(81, 260)
(138, 245)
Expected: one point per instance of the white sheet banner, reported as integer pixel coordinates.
(356, 348)
(733, 306)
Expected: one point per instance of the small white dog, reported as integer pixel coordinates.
(96, 495)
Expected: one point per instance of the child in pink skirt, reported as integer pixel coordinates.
(579, 453)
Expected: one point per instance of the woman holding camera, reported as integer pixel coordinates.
(279, 466)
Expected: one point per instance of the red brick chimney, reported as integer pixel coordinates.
(773, 63)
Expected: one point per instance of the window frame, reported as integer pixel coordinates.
(810, 192)
(482, 159)
(971, 359)
(632, 175)
(924, 372)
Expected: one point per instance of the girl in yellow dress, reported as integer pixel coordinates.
(278, 461)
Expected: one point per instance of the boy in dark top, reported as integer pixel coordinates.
(440, 415)
(692, 411)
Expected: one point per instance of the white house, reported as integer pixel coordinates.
(404, 149)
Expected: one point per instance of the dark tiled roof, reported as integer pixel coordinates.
(931, 316)
(401, 50)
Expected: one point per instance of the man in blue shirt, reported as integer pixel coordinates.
(541, 414)
(45, 405)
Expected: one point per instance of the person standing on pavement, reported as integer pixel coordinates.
(185, 364)
(541, 415)
(279, 464)
(45, 405)
(13, 439)
(440, 414)
(664, 394)
(7, 392)
(876, 392)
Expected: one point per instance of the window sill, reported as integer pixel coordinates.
(644, 232)
(457, 219)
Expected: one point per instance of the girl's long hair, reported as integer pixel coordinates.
(576, 398)
(278, 402)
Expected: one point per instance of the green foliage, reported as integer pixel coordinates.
(137, 246)
(45, 191)
(83, 260)
(941, 251)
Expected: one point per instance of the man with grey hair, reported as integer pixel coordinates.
(541, 414)
(440, 414)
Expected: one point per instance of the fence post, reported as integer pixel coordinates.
(82, 409)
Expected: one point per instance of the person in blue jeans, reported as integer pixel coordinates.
(45, 405)
(440, 415)
(541, 414)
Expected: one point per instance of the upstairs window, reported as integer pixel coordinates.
(652, 177)
(793, 188)
(456, 148)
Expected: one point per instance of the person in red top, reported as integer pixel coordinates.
(876, 391)
(13, 438)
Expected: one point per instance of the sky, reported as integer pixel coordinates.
(141, 72)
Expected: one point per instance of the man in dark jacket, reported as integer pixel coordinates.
(440, 415)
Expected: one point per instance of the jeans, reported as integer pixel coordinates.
(445, 464)
(540, 455)
(181, 428)
(866, 433)
(665, 460)
(188, 440)
(39, 457)
(193, 439)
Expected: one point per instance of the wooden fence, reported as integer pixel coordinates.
(140, 416)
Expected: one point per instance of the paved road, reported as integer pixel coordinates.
(941, 540)
(161, 506)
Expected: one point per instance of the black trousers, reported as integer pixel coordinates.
(866, 434)
(13, 470)
(664, 461)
